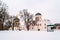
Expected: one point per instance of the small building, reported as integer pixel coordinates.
(50, 28)
(57, 26)
(16, 24)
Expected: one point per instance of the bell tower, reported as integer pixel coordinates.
(38, 16)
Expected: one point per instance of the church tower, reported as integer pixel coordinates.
(38, 16)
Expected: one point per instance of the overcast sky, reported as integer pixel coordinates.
(48, 8)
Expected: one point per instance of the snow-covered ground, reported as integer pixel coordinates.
(29, 35)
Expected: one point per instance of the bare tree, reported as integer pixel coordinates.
(3, 14)
(27, 17)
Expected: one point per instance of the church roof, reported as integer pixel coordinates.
(57, 24)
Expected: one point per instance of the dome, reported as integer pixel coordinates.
(37, 14)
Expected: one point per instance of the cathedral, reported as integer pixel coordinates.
(40, 23)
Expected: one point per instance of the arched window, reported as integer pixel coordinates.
(40, 24)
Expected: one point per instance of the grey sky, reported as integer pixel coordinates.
(48, 8)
